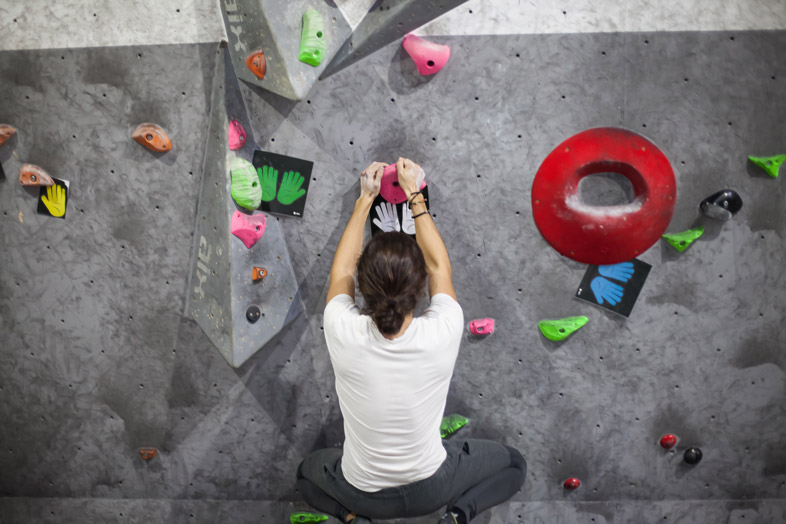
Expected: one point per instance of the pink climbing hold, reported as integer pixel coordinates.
(389, 188)
(428, 56)
(248, 228)
(237, 135)
(482, 326)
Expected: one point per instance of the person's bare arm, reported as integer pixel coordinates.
(410, 177)
(350, 247)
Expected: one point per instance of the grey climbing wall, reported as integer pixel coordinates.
(97, 357)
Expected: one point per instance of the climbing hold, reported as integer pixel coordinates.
(603, 235)
(560, 329)
(451, 424)
(253, 314)
(770, 164)
(245, 184)
(257, 64)
(681, 241)
(482, 326)
(572, 483)
(389, 188)
(248, 228)
(692, 455)
(303, 517)
(429, 57)
(721, 205)
(668, 441)
(236, 135)
(148, 453)
(312, 40)
(152, 137)
(32, 175)
(6, 132)
(258, 273)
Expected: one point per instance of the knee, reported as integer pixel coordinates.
(517, 460)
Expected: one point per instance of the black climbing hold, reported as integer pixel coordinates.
(722, 205)
(252, 314)
(692, 455)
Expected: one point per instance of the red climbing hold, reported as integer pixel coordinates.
(148, 453)
(668, 441)
(428, 56)
(608, 234)
(248, 228)
(32, 175)
(572, 483)
(482, 326)
(257, 64)
(153, 137)
(6, 132)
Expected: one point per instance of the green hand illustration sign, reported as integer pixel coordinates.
(290, 189)
(267, 179)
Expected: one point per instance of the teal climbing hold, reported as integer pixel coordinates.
(304, 517)
(560, 329)
(681, 241)
(770, 164)
(312, 41)
(246, 190)
(451, 424)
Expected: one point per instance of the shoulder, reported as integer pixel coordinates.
(341, 312)
(445, 309)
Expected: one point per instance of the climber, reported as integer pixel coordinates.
(393, 370)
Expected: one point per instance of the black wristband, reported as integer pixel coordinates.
(420, 214)
(412, 199)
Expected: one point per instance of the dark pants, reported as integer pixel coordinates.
(476, 475)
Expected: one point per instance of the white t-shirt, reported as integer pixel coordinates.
(392, 392)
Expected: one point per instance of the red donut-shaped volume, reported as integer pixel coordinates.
(603, 234)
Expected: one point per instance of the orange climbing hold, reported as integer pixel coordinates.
(257, 64)
(6, 132)
(148, 453)
(258, 273)
(32, 175)
(152, 137)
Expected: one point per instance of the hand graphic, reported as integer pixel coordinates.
(388, 218)
(407, 222)
(621, 272)
(55, 200)
(290, 188)
(267, 179)
(606, 290)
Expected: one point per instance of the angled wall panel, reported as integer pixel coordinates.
(221, 289)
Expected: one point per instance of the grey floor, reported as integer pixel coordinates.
(97, 358)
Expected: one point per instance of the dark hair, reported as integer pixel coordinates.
(391, 277)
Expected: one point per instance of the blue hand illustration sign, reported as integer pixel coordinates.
(615, 287)
(606, 290)
(621, 272)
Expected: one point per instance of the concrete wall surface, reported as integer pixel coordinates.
(97, 358)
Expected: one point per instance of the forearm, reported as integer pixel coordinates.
(428, 237)
(350, 246)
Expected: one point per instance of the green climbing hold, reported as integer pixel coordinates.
(681, 241)
(245, 184)
(560, 329)
(312, 40)
(771, 164)
(451, 424)
(303, 517)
